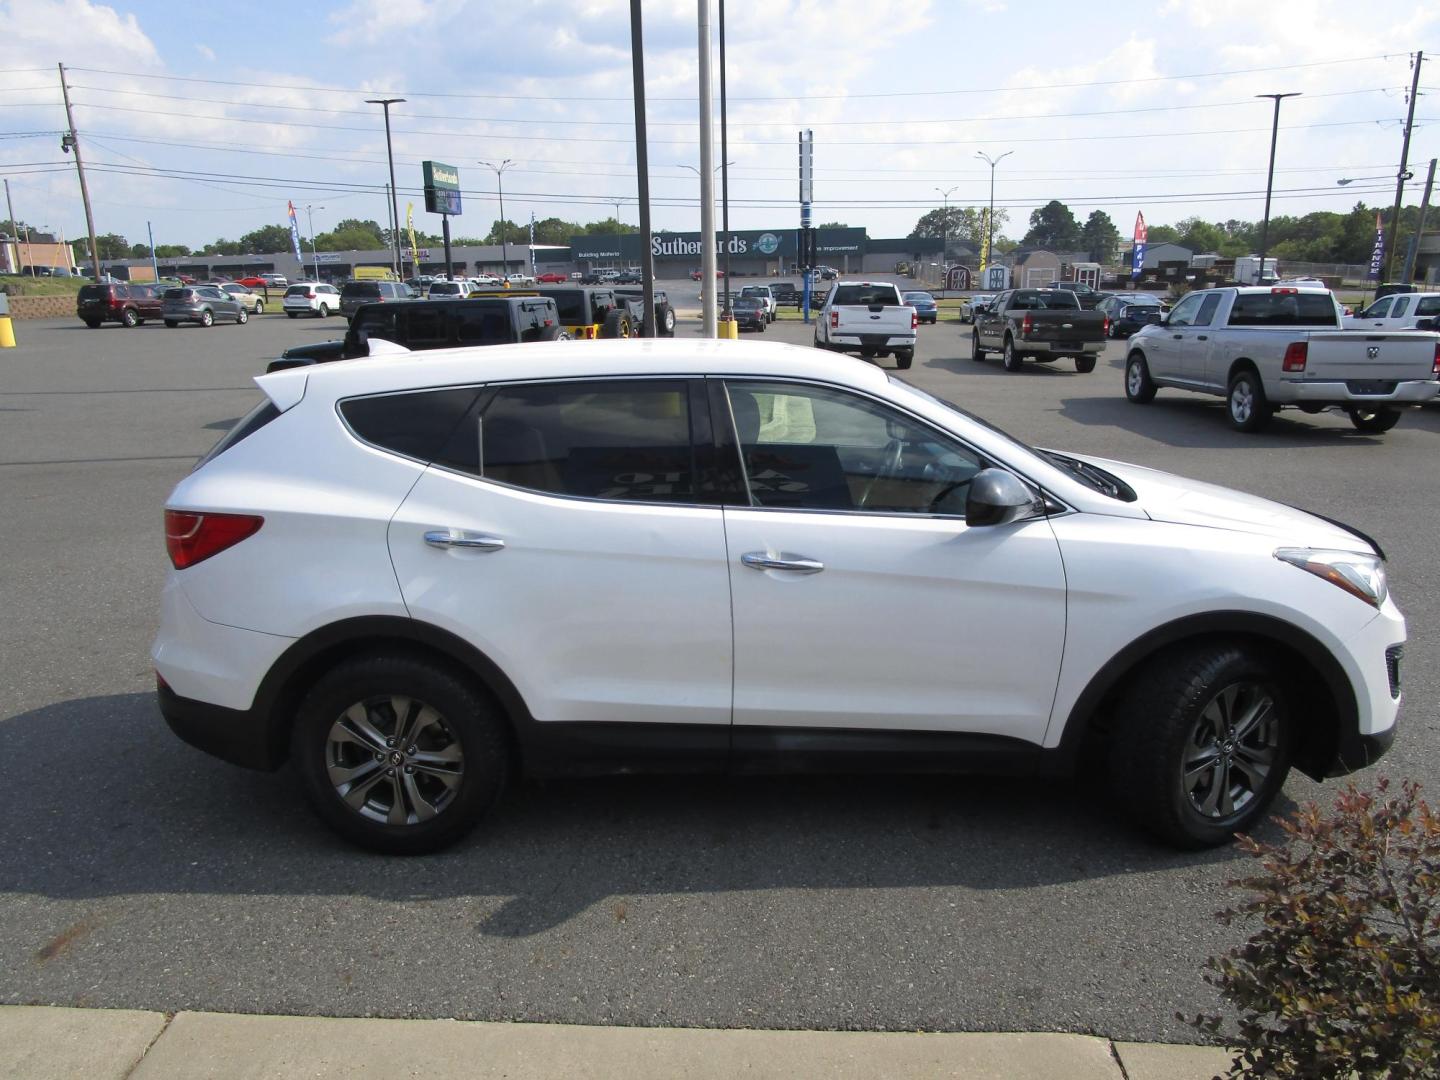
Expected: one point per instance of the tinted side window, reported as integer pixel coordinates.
(429, 328)
(1207, 310)
(1402, 305)
(1284, 309)
(628, 440)
(417, 425)
(812, 448)
(1428, 306)
(1185, 311)
(479, 326)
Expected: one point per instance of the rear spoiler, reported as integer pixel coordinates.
(284, 388)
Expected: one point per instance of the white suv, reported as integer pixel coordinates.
(310, 298)
(419, 579)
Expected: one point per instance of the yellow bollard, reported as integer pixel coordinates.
(728, 328)
(7, 333)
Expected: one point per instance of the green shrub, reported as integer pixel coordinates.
(1342, 977)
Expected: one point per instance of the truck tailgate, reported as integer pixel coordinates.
(1352, 356)
(875, 319)
(1065, 326)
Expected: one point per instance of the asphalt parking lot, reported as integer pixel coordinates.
(137, 872)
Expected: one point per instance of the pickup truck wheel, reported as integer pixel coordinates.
(1013, 357)
(1084, 364)
(667, 320)
(1374, 421)
(904, 358)
(976, 352)
(1245, 402)
(1139, 387)
(1201, 743)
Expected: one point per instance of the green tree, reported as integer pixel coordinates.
(554, 230)
(171, 251)
(108, 245)
(832, 225)
(267, 238)
(610, 226)
(1200, 236)
(1053, 226)
(1162, 234)
(963, 225)
(512, 233)
(1099, 237)
(352, 234)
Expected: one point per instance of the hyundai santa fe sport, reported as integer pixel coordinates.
(418, 581)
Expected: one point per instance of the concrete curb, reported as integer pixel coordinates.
(49, 1043)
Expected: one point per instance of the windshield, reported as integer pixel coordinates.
(1284, 308)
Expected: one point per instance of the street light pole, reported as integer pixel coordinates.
(315, 254)
(500, 186)
(1270, 180)
(385, 103)
(945, 229)
(990, 224)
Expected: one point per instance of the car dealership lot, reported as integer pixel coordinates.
(142, 873)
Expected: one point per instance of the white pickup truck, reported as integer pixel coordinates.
(869, 318)
(1265, 348)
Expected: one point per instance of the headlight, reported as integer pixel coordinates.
(1362, 576)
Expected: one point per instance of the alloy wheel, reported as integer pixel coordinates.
(1242, 401)
(394, 760)
(1232, 748)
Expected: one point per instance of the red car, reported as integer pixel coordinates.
(551, 278)
(695, 274)
(129, 305)
(252, 282)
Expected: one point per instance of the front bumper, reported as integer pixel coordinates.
(1300, 392)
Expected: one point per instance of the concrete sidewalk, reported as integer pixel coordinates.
(44, 1043)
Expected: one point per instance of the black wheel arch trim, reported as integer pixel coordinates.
(1323, 756)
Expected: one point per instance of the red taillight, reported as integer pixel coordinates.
(309, 296)
(834, 320)
(1435, 368)
(1106, 328)
(192, 537)
(1026, 325)
(914, 320)
(1284, 292)
(1295, 356)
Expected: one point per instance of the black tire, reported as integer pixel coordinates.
(616, 324)
(93, 324)
(1084, 364)
(667, 320)
(466, 726)
(869, 353)
(171, 323)
(293, 314)
(1139, 387)
(207, 318)
(1190, 706)
(904, 358)
(130, 317)
(324, 311)
(242, 317)
(762, 326)
(1374, 421)
(553, 333)
(259, 307)
(1014, 358)
(1245, 402)
(976, 352)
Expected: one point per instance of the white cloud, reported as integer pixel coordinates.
(205, 51)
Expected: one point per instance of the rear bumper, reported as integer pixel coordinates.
(1057, 349)
(233, 735)
(1415, 392)
(872, 341)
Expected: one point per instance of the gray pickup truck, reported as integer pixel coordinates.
(1264, 348)
(1039, 324)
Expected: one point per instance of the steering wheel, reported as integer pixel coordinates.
(888, 471)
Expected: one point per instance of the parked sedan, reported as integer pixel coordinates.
(751, 313)
(924, 305)
(203, 304)
(1128, 314)
(252, 300)
(972, 305)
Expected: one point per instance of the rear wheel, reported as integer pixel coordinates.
(259, 307)
(904, 358)
(1245, 402)
(206, 318)
(616, 324)
(324, 311)
(94, 324)
(1374, 421)
(398, 754)
(976, 352)
(1084, 364)
(130, 317)
(1202, 741)
(1013, 357)
(1138, 386)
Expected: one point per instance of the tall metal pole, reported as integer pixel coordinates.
(707, 180)
(1270, 181)
(642, 170)
(500, 186)
(945, 228)
(70, 142)
(1414, 248)
(1402, 175)
(15, 227)
(724, 169)
(154, 261)
(385, 103)
(314, 253)
(990, 224)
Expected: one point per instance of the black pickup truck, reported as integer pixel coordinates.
(435, 324)
(1039, 324)
(634, 298)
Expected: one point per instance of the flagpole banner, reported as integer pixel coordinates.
(1137, 260)
(410, 226)
(1377, 257)
(294, 232)
(985, 237)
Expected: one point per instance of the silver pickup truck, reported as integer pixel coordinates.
(1266, 348)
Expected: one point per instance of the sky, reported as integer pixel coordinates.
(205, 119)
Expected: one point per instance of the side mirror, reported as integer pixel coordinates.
(997, 497)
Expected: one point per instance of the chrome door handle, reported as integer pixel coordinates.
(458, 538)
(795, 564)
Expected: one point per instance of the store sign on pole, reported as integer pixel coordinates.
(442, 188)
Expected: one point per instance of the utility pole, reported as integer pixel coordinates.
(154, 261)
(385, 103)
(1270, 180)
(945, 228)
(14, 225)
(707, 180)
(990, 223)
(500, 185)
(69, 142)
(1402, 175)
(1414, 248)
(642, 171)
(314, 254)
(724, 168)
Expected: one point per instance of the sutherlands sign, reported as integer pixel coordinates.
(442, 188)
(765, 244)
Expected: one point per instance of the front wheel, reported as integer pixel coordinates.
(1374, 421)
(1201, 743)
(1139, 387)
(1013, 357)
(976, 352)
(398, 754)
(1084, 364)
(1245, 402)
(171, 323)
(242, 316)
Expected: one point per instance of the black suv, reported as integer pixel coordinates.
(435, 324)
(353, 294)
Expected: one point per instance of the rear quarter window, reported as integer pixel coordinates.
(417, 424)
(1429, 305)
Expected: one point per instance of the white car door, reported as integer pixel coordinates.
(563, 536)
(1375, 316)
(861, 598)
